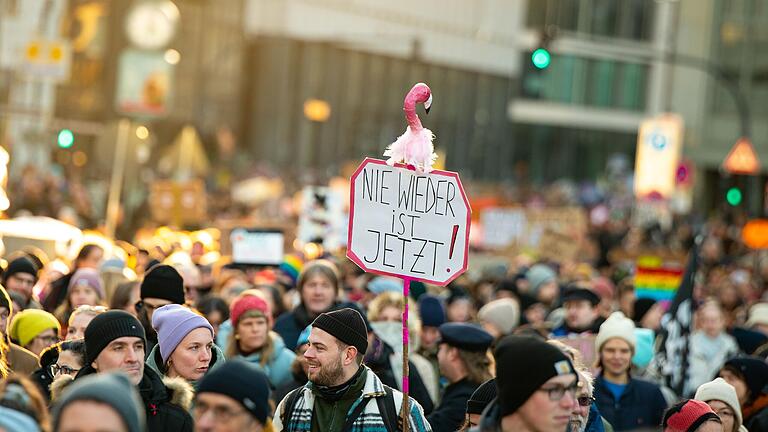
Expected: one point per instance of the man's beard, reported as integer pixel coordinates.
(329, 375)
(578, 423)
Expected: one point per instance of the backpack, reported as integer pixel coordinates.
(386, 405)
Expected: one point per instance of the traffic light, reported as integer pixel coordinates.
(733, 196)
(65, 138)
(541, 58)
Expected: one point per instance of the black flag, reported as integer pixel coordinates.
(672, 352)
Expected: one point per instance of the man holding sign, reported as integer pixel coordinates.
(343, 394)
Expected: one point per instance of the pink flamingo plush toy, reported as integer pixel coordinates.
(414, 147)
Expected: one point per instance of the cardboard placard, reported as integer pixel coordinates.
(408, 225)
(543, 230)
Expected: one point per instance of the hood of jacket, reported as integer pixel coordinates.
(153, 390)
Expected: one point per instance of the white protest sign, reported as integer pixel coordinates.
(261, 247)
(409, 225)
(322, 217)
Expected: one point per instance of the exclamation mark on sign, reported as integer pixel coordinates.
(453, 241)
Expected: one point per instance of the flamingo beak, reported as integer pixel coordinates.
(428, 104)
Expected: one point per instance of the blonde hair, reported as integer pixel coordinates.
(395, 300)
(480, 365)
(64, 312)
(86, 310)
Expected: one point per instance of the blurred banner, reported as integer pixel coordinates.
(659, 146)
(144, 83)
(551, 232)
(178, 203)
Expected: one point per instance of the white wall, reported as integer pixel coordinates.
(478, 35)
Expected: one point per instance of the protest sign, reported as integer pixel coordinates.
(409, 225)
(257, 246)
(555, 232)
(322, 217)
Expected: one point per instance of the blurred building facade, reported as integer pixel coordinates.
(251, 66)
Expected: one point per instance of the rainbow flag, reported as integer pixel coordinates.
(658, 282)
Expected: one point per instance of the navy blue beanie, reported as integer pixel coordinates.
(431, 311)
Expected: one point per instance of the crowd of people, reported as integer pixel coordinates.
(147, 341)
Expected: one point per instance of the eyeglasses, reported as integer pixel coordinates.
(149, 307)
(220, 413)
(63, 369)
(557, 392)
(585, 401)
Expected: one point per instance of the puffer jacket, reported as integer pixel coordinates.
(166, 402)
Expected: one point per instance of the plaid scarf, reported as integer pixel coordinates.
(300, 419)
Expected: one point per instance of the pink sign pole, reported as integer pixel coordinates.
(406, 409)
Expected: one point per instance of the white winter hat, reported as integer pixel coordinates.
(616, 326)
(503, 313)
(758, 314)
(720, 390)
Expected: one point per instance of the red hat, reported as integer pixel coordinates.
(687, 416)
(246, 303)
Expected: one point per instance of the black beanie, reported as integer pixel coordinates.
(523, 365)
(346, 325)
(754, 373)
(641, 307)
(20, 265)
(482, 396)
(228, 380)
(163, 282)
(108, 326)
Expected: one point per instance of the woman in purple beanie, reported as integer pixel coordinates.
(85, 288)
(185, 345)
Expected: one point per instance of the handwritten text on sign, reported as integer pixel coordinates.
(408, 225)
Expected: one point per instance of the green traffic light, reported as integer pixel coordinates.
(541, 58)
(733, 196)
(66, 138)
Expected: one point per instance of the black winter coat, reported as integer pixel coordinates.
(756, 415)
(166, 408)
(449, 415)
(162, 415)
